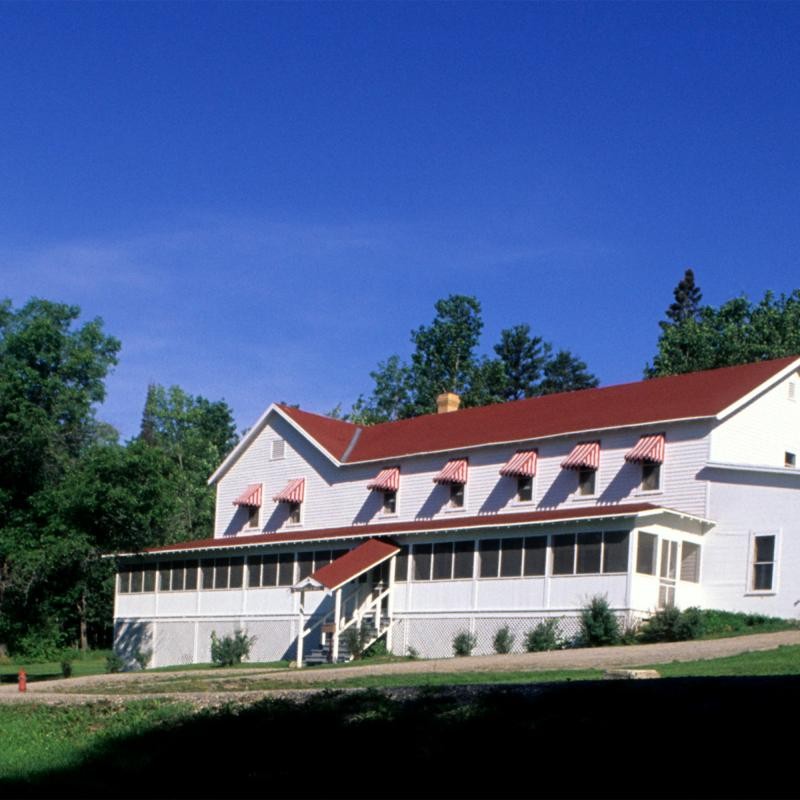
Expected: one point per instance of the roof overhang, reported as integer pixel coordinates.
(494, 522)
(760, 389)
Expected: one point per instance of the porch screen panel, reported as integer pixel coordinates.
(191, 575)
(125, 580)
(149, 579)
(464, 559)
(690, 562)
(269, 570)
(443, 561)
(254, 570)
(564, 554)
(305, 565)
(236, 573)
(422, 562)
(511, 561)
(535, 555)
(589, 546)
(490, 558)
(136, 579)
(321, 559)
(285, 569)
(615, 551)
(164, 576)
(401, 564)
(178, 576)
(646, 554)
(207, 571)
(221, 571)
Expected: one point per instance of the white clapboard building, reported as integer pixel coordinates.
(681, 490)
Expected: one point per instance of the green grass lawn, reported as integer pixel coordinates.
(91, 663)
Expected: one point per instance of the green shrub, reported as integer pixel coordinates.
(377, 649)
(598, 624)
(503, 640)
(543, 637)
(464, 643)
(66, 668)
(142, 658)
(355, 640)
(114, 663)
(230, 650)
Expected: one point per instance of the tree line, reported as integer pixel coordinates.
(71, 492)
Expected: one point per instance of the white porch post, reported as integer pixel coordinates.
(337, 615)
(301, 628)
(390, 603)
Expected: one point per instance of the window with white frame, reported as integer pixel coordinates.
(294, 513)
(592, 552)
(690, 562)
(524, 489)
(763, 574)
(789, 460)
(456, 496)
(651, 476)
(586, 480)
(646, 553)
(389, 505)
(252, 516)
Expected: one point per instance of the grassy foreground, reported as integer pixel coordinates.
(581, 739)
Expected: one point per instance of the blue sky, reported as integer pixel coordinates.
(262, 200)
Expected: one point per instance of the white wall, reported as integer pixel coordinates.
(337, 497)
(744, 504)
(762, 431)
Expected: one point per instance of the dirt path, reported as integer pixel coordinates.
(68, 691)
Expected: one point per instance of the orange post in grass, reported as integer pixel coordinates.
(23, 681)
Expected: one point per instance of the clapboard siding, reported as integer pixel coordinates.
(338, 495)
(762, 431)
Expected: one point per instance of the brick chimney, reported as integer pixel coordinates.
(447, 402)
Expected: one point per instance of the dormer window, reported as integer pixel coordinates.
(387, 482)
(649, 452)
(250, 500)
(454, 476)
(586, 480)
(293, 495)
(585, 460)
(389, 503)
(522, 466)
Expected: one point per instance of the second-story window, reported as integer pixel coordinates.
(456, 495)
(292, 495)
(524, 489)
(584, 459)
(649, 453)
(651, 477)
(389, 502)
(586, 480)
(252, 516)
(294, 513)
(454, 476)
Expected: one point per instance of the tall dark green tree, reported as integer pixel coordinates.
(445, 359)
(52, 373)
(686, 305)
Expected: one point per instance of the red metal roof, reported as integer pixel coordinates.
(251, 496)
(293, 492)
(585, 455)
(361, 558)
(691, 396)
(649, 449)
(416, 526)
(387, 480)
(454, 471)
(521, 465)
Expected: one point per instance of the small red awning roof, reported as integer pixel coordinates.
(521, 465)
(387, 480)
(585, 455)
(455, 471)
(366, 556)
(293, 492)
(251, 496)
(648, 449)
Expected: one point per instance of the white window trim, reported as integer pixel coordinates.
(299, 523)
(751, 552)
(652, 492)
(515, 503)
(462, 509)
(390, 514)
(577, 497)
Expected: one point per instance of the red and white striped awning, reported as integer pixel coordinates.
(649, 449)
(293, 492)
(455, 471)
(387, 480)
(585, 455)
(251, 496)
(521, 465)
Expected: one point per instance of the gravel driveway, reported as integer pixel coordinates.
(588, 658)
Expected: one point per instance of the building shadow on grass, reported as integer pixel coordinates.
(657, 738)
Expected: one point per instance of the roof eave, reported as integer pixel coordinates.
(760, 389)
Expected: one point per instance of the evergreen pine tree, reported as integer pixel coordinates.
(687, 300)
